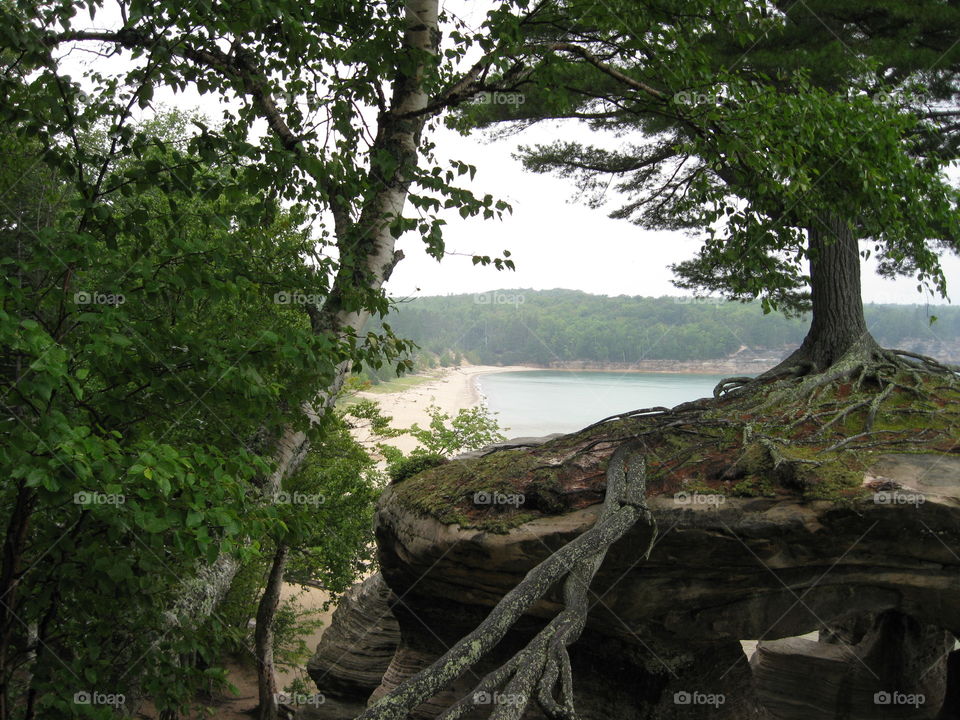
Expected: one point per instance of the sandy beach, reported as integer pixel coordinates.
(450, 389)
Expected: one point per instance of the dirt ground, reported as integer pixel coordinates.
(243, 675)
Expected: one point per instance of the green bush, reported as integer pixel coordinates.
(415, 463)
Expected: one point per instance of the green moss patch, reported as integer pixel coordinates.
(784, 439)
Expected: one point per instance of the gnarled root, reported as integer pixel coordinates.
(859, 384)
(534, 672)
(732, 383)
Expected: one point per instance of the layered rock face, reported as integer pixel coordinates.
(354, 652)
(894, 670)
(879, 575)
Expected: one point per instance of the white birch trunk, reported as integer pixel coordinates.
(204, 593)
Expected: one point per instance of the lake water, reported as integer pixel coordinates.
(540, 402)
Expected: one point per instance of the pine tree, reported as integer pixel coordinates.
(788, 134)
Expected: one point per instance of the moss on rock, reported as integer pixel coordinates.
(785, 438)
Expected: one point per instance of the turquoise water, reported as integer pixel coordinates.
(539, 402)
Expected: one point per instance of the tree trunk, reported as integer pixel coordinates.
(369, 265)
(838, 325)
(10, 572)
(371, 259)
(263, 637)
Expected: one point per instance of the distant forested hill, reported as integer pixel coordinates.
(549, 326)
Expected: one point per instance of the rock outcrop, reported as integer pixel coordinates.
(354, 652)
(722, 570)
(871, 561)
(894, 670)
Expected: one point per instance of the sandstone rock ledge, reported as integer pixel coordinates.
(663, 636)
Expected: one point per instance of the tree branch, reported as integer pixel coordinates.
(235, 67)
(612, 72)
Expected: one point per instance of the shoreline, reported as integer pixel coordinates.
(456, 388)
(730, 366)
(450, 389)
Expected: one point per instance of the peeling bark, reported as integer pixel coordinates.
(399, 135)
(263, 636)
(374, 254)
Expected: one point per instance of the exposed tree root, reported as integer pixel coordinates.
(533, 673)
(855, 390)
(863, 362)
(927, 361)
(732, 383)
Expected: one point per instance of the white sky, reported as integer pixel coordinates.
(557, 243)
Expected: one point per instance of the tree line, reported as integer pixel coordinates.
(540, 327)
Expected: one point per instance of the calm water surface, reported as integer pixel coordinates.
(539, 402)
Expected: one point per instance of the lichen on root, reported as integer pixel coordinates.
(533, 673)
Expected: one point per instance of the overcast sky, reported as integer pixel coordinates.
(557, 243)
(561, 244)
